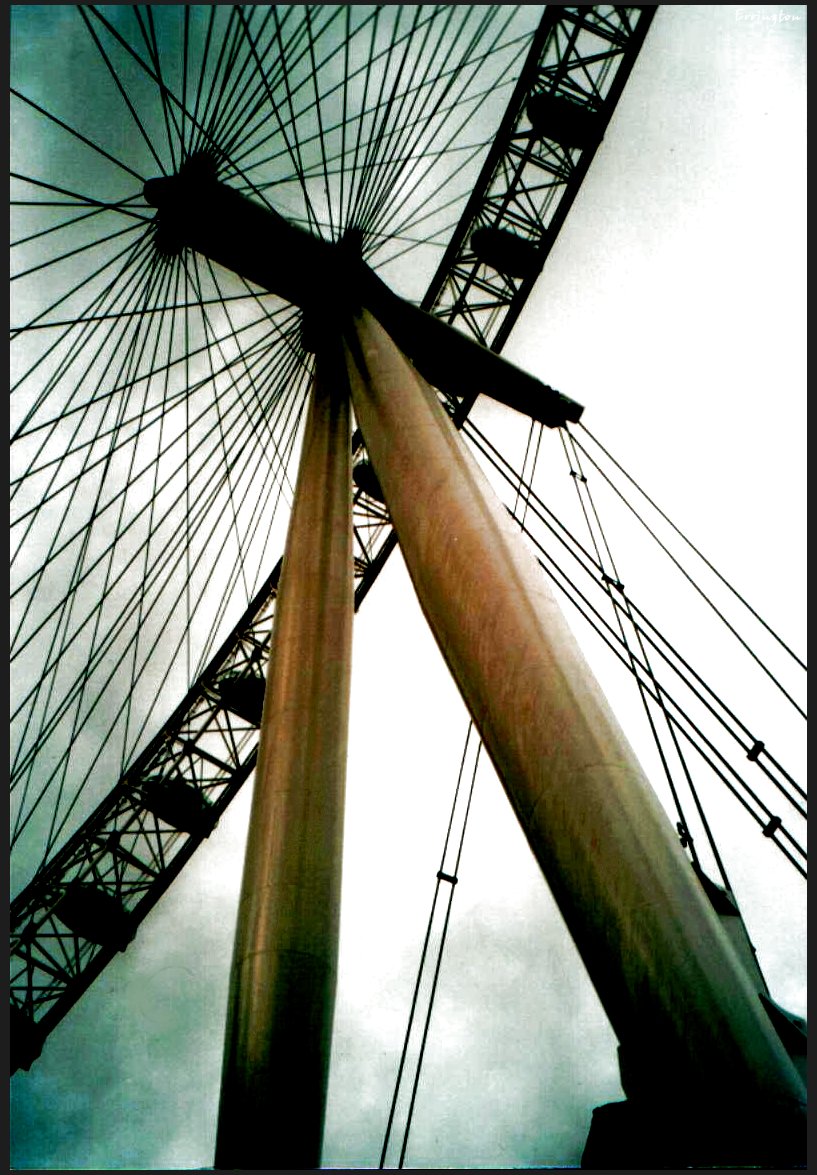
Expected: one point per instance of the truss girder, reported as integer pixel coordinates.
(128, 852)
(124, 850)
(581, 55)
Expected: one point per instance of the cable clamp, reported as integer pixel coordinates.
(773, 825)
(616, 583)
(446, 877)
(580, 476)
(755, 751)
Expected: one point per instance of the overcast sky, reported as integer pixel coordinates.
(672, 308)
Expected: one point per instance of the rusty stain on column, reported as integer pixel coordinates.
(665, 972)
(282, 986)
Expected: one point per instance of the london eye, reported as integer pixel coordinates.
(158, 407)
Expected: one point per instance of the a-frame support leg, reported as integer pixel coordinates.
(282, 984)
(671, 984)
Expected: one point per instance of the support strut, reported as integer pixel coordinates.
(282, 986)
(667, 975)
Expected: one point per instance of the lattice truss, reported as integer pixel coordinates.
(551, 133)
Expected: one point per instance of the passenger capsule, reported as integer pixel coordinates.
(244, 695)
(506, 252)
(563, 121)
(178, 804)
(95, 914)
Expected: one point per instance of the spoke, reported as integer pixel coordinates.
(89, 278)
(121, 88)
(62, 224)
(82, 138)
(202, 512)
(120, 314)
(93, 244)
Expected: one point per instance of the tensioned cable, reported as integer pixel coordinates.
(720, 615)
(580, 481)
(64, 619)
(120, 314)
(377, 126)
(568, 540)
(223, 112)
(384, 180)
(66, 411)
(344, 112)
(30, 710)
(451, 880)
(116, 284)
(261, 416)
(77, 197)
(359, 117)
(45, 492)
(124, 621)
(167, 110)
(248, 117)
(227, 463)
(85, 248)
(414, 218)
(600, 625)
(465, 75)
(336, 170)
(290, 425)
(700, 555)
(202, 515)
(202, 443)
(260, 347)
(194, 117)
(294, 152)
(148, 715)
(185, 63)
(401, 120)
(371, 111)
(138, 261)
(606, 625)
(753, 742)
(241, 420)
(162, 273)
(242, 105)
(174, 274)
(374, 210)
(89, 278)
(57, 226)
(216, 87)
(269, 433)
(349, 218)
(82, 138)
(121, 88)
(468, 60)
(321, 138)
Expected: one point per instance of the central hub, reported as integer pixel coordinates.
(195, 210)
(329, 281)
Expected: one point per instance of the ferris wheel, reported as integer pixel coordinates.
(159, 397)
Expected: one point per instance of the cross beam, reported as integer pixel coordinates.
(197, 211)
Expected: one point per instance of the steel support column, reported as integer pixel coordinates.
(282, 986)
(669, 979)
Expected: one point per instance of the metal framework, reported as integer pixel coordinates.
(88, 902)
